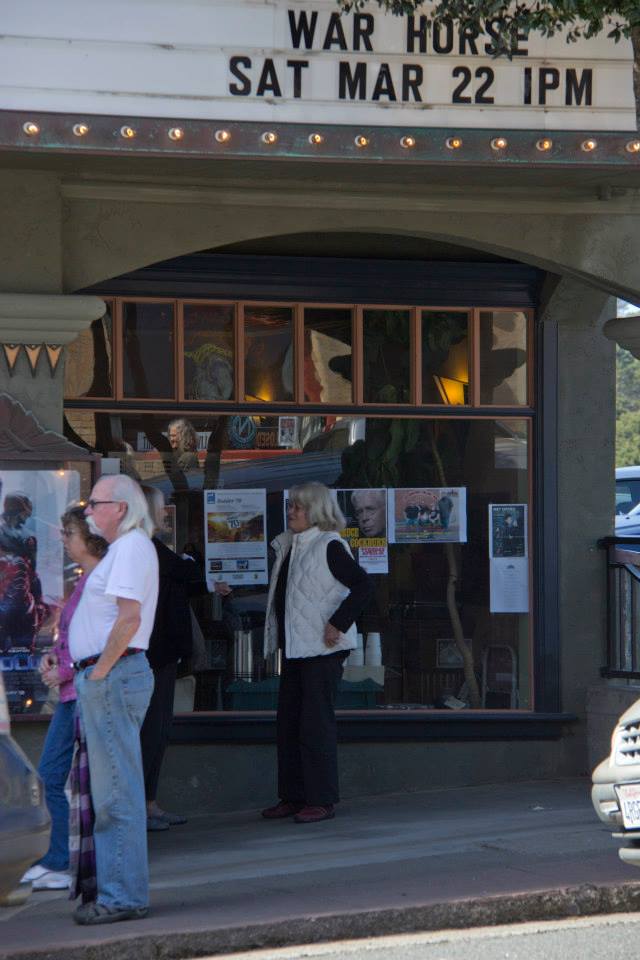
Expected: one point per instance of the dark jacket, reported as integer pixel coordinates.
(171, 639)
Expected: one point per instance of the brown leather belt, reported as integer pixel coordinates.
(89, 661)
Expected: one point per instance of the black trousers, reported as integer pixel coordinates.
(156, 729)
(307, 736)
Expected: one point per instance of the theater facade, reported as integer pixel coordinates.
(247, 245)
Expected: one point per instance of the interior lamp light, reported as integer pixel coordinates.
(451, 391)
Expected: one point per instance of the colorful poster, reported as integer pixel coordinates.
(235, 536)
(288, 432)
(427, 515)
(34, 576)
(365, 511)
(508, 558)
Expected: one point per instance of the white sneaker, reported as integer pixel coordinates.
(34, 873)
(51, 880)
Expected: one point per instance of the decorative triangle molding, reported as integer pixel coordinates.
(11, 353)
(33, 351)
(54, 352)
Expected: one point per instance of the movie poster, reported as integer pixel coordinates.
(235, 536)
(508, 558)
(365, 511)
(33, 576)
(427, 515)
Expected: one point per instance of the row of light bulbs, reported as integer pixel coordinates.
(269, 138)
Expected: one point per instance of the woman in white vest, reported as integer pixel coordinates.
(316, 592)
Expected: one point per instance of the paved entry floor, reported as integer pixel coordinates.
(393, 852)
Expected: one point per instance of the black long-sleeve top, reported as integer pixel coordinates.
(171, 637)
(345, 569)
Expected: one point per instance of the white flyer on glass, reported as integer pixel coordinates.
(235, 526)
(508, 558)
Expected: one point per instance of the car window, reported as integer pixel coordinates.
(627, 495)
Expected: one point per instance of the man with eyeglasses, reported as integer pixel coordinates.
(108, 635)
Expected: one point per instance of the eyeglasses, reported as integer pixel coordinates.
(96, 503)
(66, 532)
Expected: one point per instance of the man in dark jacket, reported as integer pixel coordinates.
(171, 641)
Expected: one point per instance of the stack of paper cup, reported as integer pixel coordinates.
(356, 657)
(373, 654)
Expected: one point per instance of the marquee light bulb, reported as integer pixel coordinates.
(408, 142)
(361, 141)
(222, 136)
(127, 132)
(589, 145)
(544, 145)
(499, 143)
(176, 133)
(315, 139)
(80, 129)
(454, 143)
(269, 138)
(633, 146)
(30, 128)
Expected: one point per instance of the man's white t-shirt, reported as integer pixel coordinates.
(130, 571)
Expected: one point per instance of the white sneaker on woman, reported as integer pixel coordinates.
(34, 873)
(52, 880)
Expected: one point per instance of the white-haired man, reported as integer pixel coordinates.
(108, 635)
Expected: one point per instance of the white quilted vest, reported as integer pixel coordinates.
(313, 595)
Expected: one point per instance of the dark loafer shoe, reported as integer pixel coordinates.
(314, 814)
(284, 808)
(90, 914)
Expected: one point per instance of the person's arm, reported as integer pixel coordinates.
(345, 569)
(122, 632)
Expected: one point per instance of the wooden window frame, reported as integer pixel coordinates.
(298, 308)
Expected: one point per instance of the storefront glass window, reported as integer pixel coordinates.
(445, 357)
(386, 356)
(503, 357)
(327, 355)
(208, 351)
(427, 502)
(88, 365)
(268, 370)
(148, 349)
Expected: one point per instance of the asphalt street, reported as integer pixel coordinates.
(611, 937)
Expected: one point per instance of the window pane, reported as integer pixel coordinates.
(88, 361)
(503, 357)
(148, 348)
(438, 467)
(386, 356)
(268, 353)
(208, 351)
(445, 357)
(327, 355)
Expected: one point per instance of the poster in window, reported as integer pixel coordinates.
(288, 432)
(507, 530)
(235, 526)
(167, 533)
(508, 558)
(427, 515)
(34, 576)
(365, 511)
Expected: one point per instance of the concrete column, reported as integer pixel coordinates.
(34, 330)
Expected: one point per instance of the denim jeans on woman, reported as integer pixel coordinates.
(113, 710)
(54, 768)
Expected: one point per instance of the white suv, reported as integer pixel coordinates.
(616, 784)
(627, 491)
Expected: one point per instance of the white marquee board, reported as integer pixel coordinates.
(296, 61)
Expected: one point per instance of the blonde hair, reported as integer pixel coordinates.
(320, 505)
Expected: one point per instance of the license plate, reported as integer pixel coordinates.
(629, 801)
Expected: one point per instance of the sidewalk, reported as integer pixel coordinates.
(447, 858)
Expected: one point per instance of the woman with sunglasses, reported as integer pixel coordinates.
(86, 549)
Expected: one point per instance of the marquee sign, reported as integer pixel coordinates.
(291, 61)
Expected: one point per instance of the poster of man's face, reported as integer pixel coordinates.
(365, 509)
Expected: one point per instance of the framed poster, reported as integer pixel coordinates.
(235, 536)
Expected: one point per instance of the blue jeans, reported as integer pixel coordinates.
(53, 768)
(112, 711)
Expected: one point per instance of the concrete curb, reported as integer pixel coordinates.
(582, 901)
